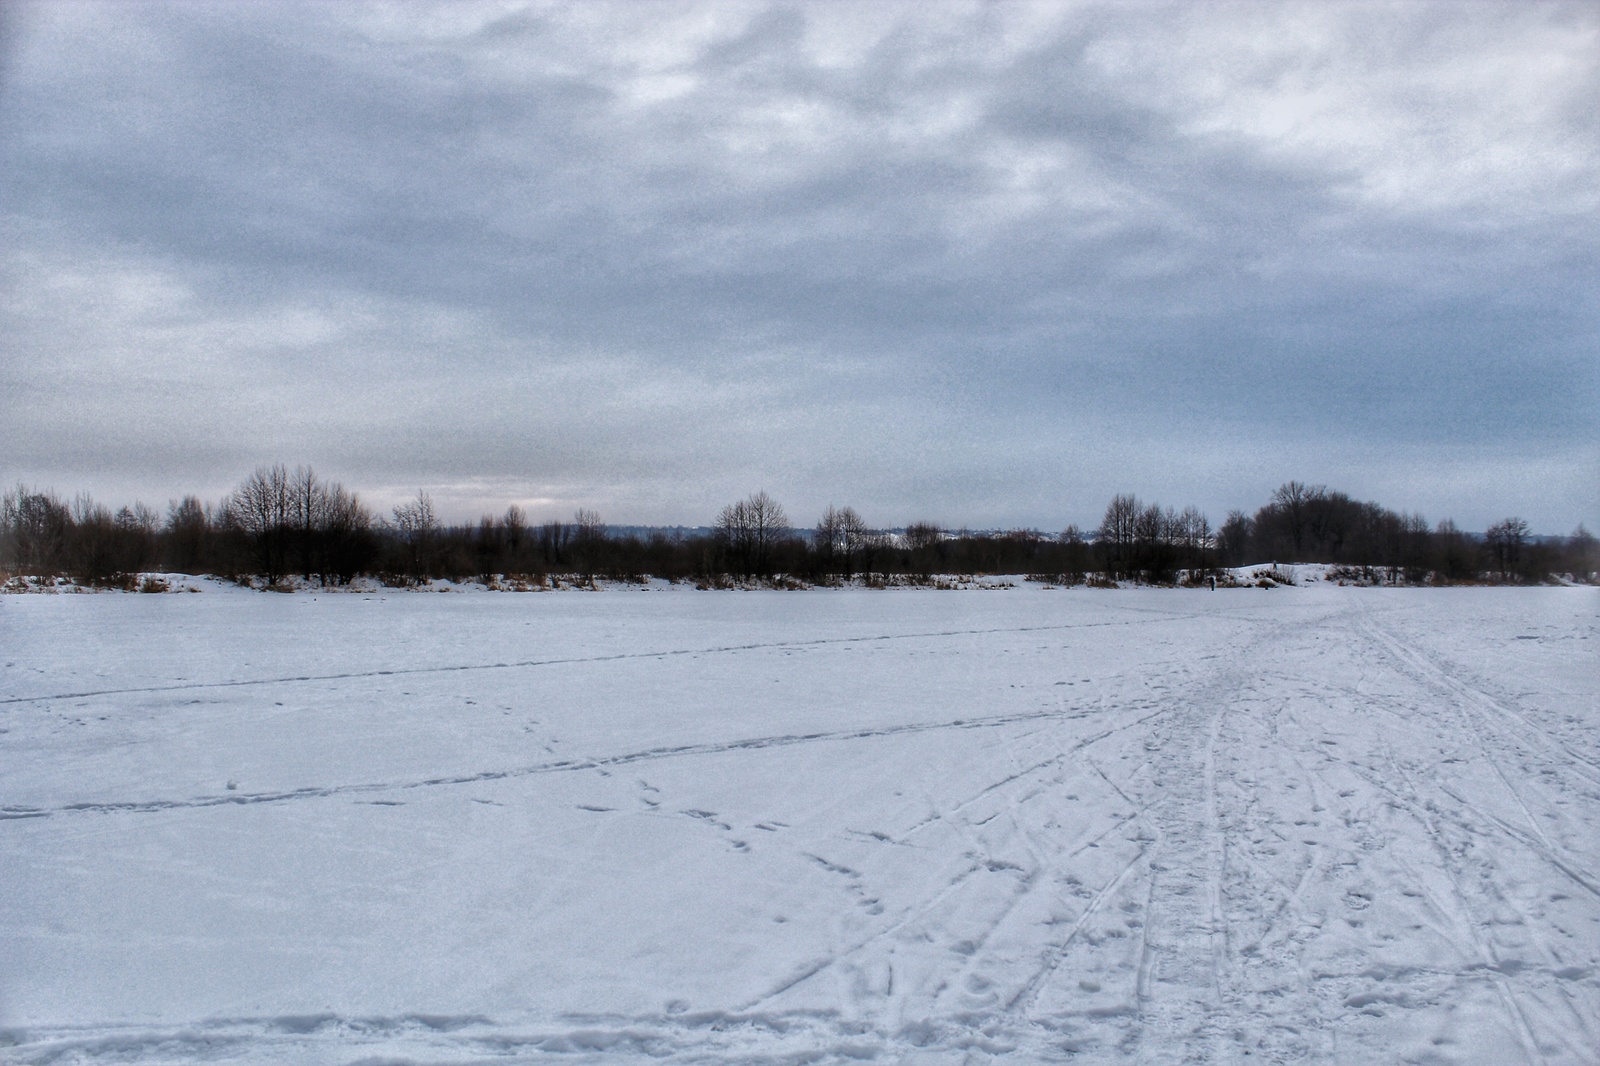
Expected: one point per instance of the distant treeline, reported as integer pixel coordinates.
(281, 524)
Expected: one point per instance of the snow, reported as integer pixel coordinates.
(1308, 823)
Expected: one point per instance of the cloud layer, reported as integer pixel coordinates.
(980, 263)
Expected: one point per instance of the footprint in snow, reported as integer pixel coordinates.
(709, 817)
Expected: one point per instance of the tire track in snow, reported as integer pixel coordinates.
(580, 764)
(1178, 945)
(1029, 771)
(906, 917)
(910, 915)
(918, 911)
(1023, 1000)
(975, 958)
(1433, 677)
(1538, 844)
(1429, 674)
(574, 660)
(698, 1037)
(1452, 839)
(1475, 908)
(1430, 815)
(1470, 937)
(1279, 1015)
(1185, 988)
(1531, 926)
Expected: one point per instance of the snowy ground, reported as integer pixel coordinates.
(1306, 824)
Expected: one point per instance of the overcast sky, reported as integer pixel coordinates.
(985, 264)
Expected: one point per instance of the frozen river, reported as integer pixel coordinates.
(1319, 825)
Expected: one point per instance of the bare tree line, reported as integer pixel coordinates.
(297, 522)
(281, 523)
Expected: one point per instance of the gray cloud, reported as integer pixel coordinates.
(987, 264)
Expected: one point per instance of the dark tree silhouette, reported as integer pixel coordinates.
(418, 528)
(34, 528)
(1118, 534)
(839, 541)
(261, 508)
(749, 532)
(1505, 541)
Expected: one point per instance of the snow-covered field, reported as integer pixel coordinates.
(1306, 824)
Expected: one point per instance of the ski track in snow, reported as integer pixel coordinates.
(558, 766)
(571, 661)
(1327, 826)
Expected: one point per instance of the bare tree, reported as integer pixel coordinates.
(924, 543)
(838, 540)
(515, 526)
(295, 519)
(1416, 542)
(1294, 501)
(34, 529)
(1505, 540)
(136, 528)
(588, 524)
(825, 539)
(93, 541)
(750, 531)
(187, 531)
(855, 542)
(1152, 543)
(588, 540)
(769, 524)
(1192, 535)
(487, 545)
(553, 539)
(734, 533)
(1074, 554)
(1452, 554)
(261, 509)
(417, 526)
(1233, 539)
(307, 513)
(106, 547)
(1119, 533)
(1581, 553)
(346, 535)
